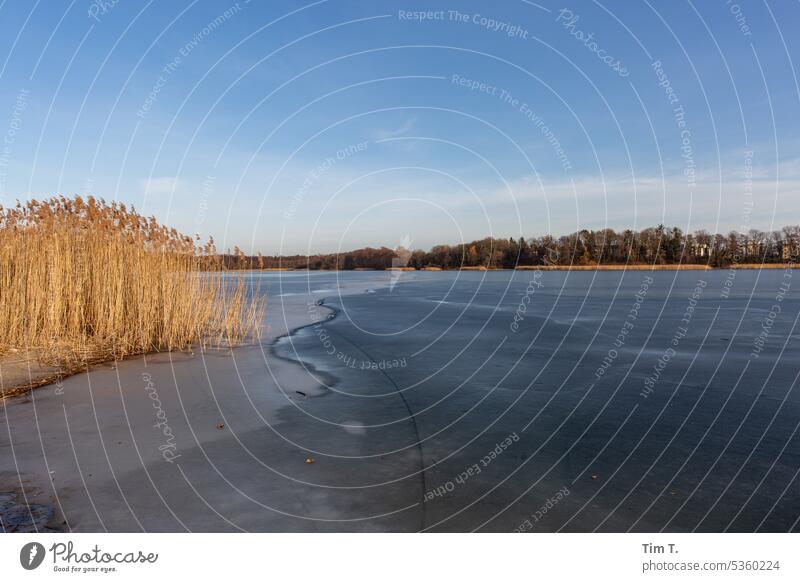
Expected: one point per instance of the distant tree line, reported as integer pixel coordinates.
(651, 246)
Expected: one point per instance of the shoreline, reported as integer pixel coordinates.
(21, 376)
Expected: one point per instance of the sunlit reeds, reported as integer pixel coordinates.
(83, 281)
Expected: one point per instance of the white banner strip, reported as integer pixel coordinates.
(372, 557)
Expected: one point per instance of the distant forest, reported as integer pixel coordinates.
(651, 246)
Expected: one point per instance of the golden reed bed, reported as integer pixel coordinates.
(83, 282)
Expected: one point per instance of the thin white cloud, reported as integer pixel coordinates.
(407, 126)
(161, 185)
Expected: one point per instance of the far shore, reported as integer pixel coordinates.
(637, 267)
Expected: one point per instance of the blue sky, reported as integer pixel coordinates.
(295, 127)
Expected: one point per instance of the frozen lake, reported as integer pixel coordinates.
(573, 401)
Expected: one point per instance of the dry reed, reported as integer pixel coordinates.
(87, 281)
